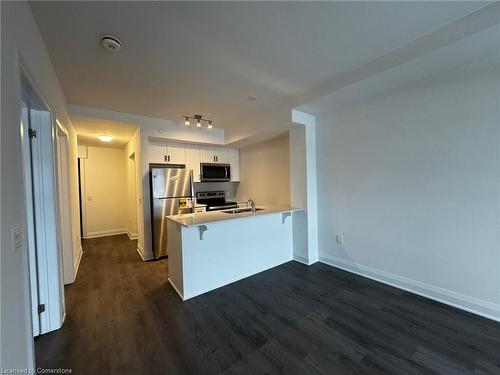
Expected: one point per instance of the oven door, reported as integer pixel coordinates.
(215, 172)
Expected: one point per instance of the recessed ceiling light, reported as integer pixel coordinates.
(105, 138)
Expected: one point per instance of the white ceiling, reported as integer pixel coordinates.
(88, 129)
(477, 50)
(208, 57)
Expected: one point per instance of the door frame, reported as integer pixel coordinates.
(132, 196)
(65, 213)
(42, 209)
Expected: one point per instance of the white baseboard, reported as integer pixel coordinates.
(303, 260)
(132, 236)
(105, 233)
(79, 260)
(140, 251)
(473, 305)
(175, 288)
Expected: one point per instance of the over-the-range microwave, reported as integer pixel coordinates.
(210, 172)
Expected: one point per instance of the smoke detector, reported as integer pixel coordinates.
(111, 43)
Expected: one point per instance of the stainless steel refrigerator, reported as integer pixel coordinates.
(171, 194)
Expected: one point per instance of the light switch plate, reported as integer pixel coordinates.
(17, 238)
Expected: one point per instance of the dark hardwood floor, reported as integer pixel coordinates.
(124, 318)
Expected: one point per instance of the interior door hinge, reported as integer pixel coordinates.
(32, 133)
(41, 308)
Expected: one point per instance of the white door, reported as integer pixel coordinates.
(30, 230)
(175, 154)
(44, 247)
(157, 152)
(43, 229)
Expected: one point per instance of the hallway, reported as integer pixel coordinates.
(124, 318)
(107, 304)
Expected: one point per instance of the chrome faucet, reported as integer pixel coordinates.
(251, 203)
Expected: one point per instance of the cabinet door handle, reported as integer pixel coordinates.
(168, 159)
(165, 157)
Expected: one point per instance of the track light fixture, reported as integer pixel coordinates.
(199, 121)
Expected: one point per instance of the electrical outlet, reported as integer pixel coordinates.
(17, 238)
(340, 239)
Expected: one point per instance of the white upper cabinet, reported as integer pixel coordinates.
(176, 154)
(193, 161)
(214, 155)
(234, 161)
(159, 152)
(192, 155)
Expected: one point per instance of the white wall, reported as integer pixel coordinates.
(411, 178)
(21, 40)
(265, 172)
(105, 192)
(303, 192)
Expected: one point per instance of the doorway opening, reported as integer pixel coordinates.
(108, 184)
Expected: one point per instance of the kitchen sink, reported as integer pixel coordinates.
(241, 210)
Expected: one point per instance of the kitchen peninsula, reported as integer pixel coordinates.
(213, 249)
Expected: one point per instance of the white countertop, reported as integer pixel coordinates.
(203, 218)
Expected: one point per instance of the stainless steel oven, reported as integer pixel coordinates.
(214, 200)
(215, 172)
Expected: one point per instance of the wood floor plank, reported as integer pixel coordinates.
(123, 317)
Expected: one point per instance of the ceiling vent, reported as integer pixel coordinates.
(111, 43)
